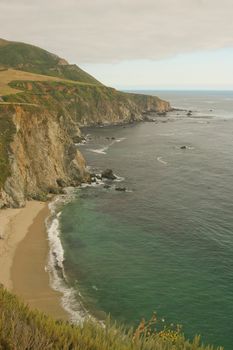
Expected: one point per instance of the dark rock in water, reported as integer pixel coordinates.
(79, 139)
(54, 190)
(108, 174)
(162, 114)
(189, 113)
(211, 110)
(121, 189)
(98, 176)
(113, 138)
(183, 147)
(107, 186)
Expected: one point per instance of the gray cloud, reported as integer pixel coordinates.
(106, 31)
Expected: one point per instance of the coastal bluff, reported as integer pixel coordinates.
(43, 103)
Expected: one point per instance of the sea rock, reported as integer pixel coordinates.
(121, 189)
(107, 186)
(183, 147)
(108, 174)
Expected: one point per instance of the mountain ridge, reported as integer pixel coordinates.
(42, 108)
(33, 59)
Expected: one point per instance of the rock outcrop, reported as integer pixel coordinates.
(42, 156)
(39, 126)
(88, 104)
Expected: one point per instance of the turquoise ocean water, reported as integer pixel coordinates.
(166, 244)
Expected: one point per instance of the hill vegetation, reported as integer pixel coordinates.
(24, 329)
(9, 75)
(33, 59)
(43, 102)
(7, 130)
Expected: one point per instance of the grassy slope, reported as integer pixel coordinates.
(22, 328)
(87, 104)
(36, 60)
(9, 75)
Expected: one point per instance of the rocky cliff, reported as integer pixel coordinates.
(40, 120)
(87, 104)
(42, 157)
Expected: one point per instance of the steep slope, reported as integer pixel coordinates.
(40, 116)
(37, 154)
(33, 59)
(86, 104)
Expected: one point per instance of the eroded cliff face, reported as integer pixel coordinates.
(42, 156)
(88, 104)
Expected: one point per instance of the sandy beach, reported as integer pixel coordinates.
(23, 257)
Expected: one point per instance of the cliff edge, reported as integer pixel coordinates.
(43, 103)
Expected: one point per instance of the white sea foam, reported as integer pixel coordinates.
(159, 159)
(93, 184)
(55, 267)
(103, 150)
(120, 139)
(100, 150)
(119, 178)
(83, 142)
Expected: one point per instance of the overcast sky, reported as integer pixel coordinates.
(132, 43)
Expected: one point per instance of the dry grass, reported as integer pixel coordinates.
(8, 75)
(3, 42)
(25, 329)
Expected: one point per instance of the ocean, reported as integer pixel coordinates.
(166, 243)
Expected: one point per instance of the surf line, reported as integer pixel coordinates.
(159, 159)
(104, 149)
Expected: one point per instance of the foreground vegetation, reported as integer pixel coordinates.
(22, 328)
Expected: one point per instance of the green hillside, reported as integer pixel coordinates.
(33, 59)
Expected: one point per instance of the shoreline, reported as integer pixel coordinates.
(24, 252)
